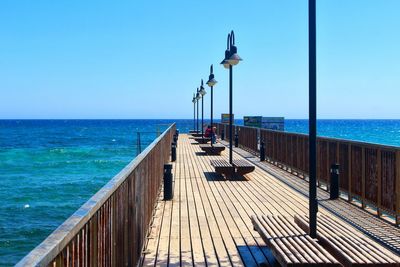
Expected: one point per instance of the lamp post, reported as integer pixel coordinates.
(231, 59)
(211, 82)
(312, 113)
(197, 101)
(194, 112)
(202, 94)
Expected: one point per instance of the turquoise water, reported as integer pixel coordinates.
(49, 168)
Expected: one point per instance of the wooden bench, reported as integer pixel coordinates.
(223, 167)
(289, 244)
(202, 140)
(238, 167)
(243, 167)
(215, 149)
(196, 134)
(193, 131)
(348, 245)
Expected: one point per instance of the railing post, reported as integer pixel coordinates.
(222, 134)
(350, 197)
(168, 181)
(175, 140)
(334, 181)
(397, 195)
(262, 151)
(363, 204)
(379, 181)
(173, 152)
(327, 165)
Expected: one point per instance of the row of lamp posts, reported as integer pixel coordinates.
(200, 95)
(231, 59)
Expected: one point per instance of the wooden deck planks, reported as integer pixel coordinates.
(163, 247)
(195, 234)
(208, 222)
(175, 227)
(186, 243)
(153, 238)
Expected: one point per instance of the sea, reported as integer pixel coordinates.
(49, 168)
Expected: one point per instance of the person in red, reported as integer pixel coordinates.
(208, 131)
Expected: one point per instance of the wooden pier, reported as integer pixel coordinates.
(209, 220)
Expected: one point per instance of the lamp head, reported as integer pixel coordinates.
(234, 58)
(194, 99)
(211, 81)
(202, 90)
(225, 61)
(198, 96)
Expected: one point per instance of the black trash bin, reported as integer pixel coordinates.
(168, 182)
(173, 152)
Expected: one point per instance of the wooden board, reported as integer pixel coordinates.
(290, 244)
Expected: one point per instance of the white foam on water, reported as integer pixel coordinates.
(26, 206)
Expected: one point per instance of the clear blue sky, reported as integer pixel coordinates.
(144, 59)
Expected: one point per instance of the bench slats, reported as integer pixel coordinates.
(241, 163)
(289, 243)
(220, 163)
(350, 246)
(240, 167)
(202, 140)
(216, 149)
(363, 245)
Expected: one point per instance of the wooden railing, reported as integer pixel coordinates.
(110, 229)
(369, 172)
(224, 128)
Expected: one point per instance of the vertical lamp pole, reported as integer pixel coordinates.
(231, 59)
(202, 93)
(211, 82)
(194, 112)
(230, 115)
(313, 202)
(197, 101)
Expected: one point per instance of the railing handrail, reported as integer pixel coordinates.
(46, 251)
(324, 138)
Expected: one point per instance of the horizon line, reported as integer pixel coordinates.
(216, 119)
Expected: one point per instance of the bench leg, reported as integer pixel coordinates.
(245, 170)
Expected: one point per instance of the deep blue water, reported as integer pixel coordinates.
(49, 168)
(385, 132)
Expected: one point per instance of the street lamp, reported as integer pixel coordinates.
(211, 82)
(194, 112)
(197, 101)
(312, 113)
(231, 59)
(202, 94)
